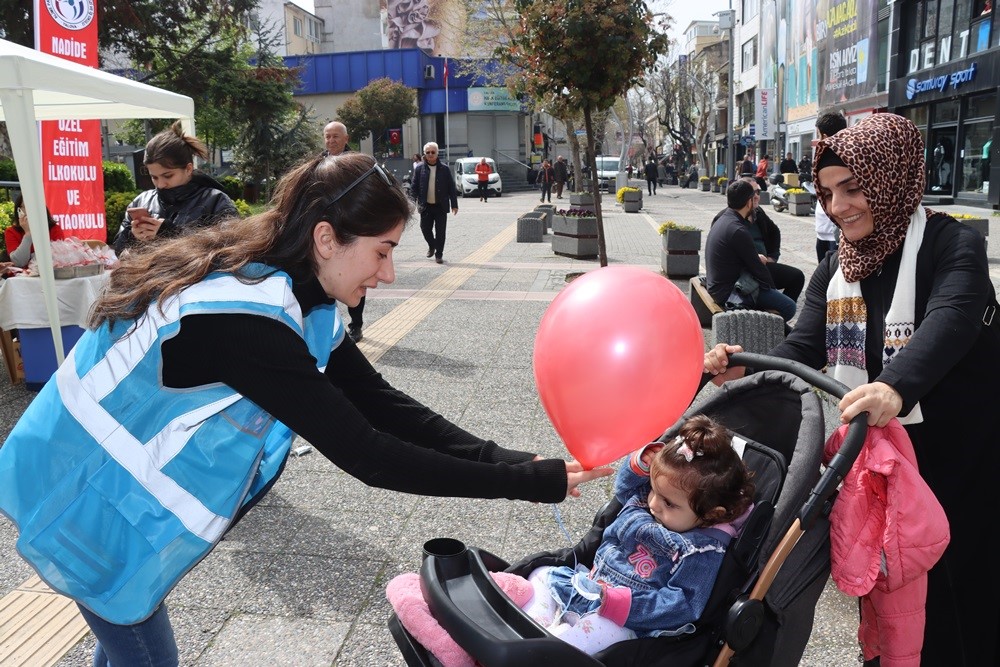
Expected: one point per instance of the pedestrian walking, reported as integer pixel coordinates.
(483, 171)
(651, 175)
(546, 177)
(433, 190)
(561, 171)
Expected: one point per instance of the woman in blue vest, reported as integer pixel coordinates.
(175, 411)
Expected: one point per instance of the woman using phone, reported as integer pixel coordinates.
(181, 198)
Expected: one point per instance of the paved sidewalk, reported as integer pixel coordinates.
(301, 580)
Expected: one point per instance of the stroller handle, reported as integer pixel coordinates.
(854, 440)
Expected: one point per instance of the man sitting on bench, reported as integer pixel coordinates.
(730, 250)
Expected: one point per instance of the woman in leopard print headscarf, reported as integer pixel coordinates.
(912, 287)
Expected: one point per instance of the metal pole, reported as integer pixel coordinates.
(447, 134)
(730, 97)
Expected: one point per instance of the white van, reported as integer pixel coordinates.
(607, 172)
(467, 180)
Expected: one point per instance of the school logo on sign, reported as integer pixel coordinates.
(71, 14)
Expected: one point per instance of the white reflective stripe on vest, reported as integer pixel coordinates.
(130, 454)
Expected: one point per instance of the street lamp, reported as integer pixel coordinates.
(727, 21)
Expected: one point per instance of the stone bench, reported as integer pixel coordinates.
(531, 227)
(756, 331)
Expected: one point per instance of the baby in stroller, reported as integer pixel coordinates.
(683, 502)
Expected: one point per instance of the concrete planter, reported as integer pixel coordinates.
(679, 266)
(632, 206)
(803, 208)
(574, 236)
(705, 185)
(680, 255)
(581, 199)
(632, 195)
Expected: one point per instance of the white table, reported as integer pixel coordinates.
(22, 305)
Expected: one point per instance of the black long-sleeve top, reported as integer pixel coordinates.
(729, 250)
(349, 412)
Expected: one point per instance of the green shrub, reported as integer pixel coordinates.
(233, 187)
(6, 220)
(243, 208)
(118, 178)
(8, 172)
(115, 204)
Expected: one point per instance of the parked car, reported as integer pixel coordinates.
(467, 180)
(607, 172)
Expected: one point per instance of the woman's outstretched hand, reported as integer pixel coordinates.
(717, 363)
(576, 476)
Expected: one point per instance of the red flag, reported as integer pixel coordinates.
(445, 69)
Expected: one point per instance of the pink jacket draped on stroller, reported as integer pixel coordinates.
(886, 530)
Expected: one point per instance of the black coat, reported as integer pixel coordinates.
(199, 203)
(444, 185)
(729, 250)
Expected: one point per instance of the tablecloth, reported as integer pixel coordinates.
(22, 305)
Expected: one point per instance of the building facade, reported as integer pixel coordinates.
(945, 76)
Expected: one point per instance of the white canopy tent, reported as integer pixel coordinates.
(36, 86)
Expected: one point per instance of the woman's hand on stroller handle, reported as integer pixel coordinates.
(576, 475)
(880, 400)
(717, 363)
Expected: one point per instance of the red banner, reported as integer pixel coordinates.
(71, 149)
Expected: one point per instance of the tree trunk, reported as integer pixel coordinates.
(602, 249)
(574, 146)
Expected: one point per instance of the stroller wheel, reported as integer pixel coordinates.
(743, 622)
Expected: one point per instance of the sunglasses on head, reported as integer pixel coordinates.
(376, 168)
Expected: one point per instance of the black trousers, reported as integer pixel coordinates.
(357, 314)
(787, 278)
(434, 226)
(483, 192)
(651, 185)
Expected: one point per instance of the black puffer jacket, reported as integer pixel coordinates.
(197, 203)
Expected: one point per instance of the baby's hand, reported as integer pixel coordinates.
(648, 453)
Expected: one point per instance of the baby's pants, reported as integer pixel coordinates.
(589, 633)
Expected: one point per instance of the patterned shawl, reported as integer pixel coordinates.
(886, 155)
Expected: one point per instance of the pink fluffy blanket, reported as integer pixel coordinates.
(408, 602)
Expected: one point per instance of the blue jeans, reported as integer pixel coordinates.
(772, 299)
(150, 643)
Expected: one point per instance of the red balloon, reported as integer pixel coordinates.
(618, 358)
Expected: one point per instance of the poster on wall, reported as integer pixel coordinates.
(847, 33)
(72, 172)
(438, 27)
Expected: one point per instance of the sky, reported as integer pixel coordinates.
(685, 11)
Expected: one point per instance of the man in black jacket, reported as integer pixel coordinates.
(433, 189)
(730, 251)
(788, 165)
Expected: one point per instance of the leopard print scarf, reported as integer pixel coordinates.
(886, 155)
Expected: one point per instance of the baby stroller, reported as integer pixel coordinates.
(762, 605)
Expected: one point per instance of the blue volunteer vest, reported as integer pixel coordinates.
(119, 485)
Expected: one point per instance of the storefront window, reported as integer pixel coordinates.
(975, 156)
(930, 22)
(945, 112)
(917, 115)
(944, 30)
(982, 106)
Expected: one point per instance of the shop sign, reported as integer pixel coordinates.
(938, 83)
(763, 122)
(491, 99)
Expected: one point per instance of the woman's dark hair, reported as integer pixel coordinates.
(19, 203)
(738, 194)
(281, 237)
(714, 477)
(174, 149)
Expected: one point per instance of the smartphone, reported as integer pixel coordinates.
(138, 213)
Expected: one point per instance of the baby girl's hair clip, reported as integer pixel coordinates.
(685, 449)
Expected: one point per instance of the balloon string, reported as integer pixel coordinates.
(559, 522)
